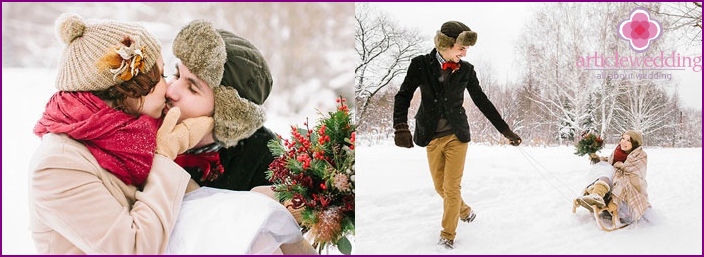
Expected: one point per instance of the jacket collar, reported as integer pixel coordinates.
(433, 61)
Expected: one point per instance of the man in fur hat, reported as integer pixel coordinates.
(441, 123)
(222, 75)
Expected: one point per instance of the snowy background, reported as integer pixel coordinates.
(307, 52)
(302, 42)
(522, 206)
(497, 45)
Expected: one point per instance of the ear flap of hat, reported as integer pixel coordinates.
(443, 41)
(467, 38)
(235, 118)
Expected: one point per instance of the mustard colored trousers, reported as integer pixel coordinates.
(446, 156)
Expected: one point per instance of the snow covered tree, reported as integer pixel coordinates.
(384, 51)
(644, 108)
(550, 58)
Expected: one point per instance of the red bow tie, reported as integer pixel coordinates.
(207, 163)
(450, 65)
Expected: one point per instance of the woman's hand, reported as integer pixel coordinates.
(173, 139)
(594, 158)
(618, 165)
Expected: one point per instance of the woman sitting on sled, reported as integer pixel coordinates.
(620, 189)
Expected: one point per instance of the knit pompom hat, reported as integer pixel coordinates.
(454, 31)
(235, 70)
(102, 53)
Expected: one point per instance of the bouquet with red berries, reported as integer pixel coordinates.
(314, 171)
(589, 144)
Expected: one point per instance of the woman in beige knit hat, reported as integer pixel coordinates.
(622, 190)
(103, 180)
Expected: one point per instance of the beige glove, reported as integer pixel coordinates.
(173, 139)
(618, 165)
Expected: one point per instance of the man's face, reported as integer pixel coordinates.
(190, 94)
(455, 53)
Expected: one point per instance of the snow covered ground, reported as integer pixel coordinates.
(521, 208)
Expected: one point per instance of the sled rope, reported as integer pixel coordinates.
(552, 179)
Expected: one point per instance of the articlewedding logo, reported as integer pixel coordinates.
(640, 30)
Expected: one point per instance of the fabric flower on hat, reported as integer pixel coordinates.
(125, 61)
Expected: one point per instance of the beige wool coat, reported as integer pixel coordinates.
(629, 184)
(77, 207)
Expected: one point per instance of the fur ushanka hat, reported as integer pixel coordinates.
(235, 70)
(102, 53)
(454, 31)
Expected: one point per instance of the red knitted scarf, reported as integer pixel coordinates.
(122, 144)
(619, 154)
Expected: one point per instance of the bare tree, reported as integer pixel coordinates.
(645, 108)
(608, 88)
(580, 99)
(565, 88)
(684, 17)
(384, 51)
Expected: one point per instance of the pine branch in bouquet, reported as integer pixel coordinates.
(589, 144)
(315, 171)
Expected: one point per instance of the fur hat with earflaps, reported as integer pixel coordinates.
(454, 31)
(235, 70)
(102, 53)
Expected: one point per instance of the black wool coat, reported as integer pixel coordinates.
(245, 164)
(442, 98)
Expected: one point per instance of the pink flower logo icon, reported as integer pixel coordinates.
(640, 30)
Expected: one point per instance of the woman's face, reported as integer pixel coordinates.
(625, 143)
(190, 94)
(153, 103)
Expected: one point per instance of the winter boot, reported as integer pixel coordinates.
(596, 195)
(448, 244)
(469, 217)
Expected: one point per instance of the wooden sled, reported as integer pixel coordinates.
(611, 208)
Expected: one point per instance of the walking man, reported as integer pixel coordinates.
(441, 122)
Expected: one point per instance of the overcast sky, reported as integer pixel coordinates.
(498, 26)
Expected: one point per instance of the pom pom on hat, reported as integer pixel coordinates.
(70, 26)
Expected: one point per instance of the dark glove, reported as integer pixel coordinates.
(514, 139)
(402, 136)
